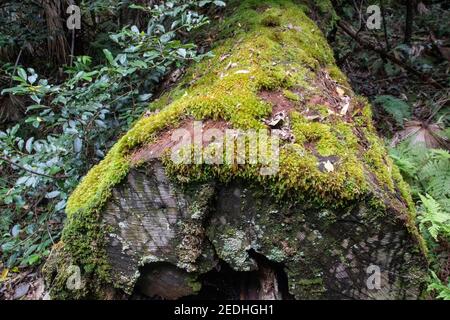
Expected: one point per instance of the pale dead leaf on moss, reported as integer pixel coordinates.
(225, 56)
(328, 166)
(312, 117)
(292, 27)
(277, 119)
(331, 112)
(149, 113)
(345, 105)
(340, 91)
(242, 72)
(231, 65)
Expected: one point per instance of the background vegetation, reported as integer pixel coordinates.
(405, 74)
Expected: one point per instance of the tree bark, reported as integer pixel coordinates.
(409, 20)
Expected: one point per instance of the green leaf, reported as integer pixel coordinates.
(32, 79)
(33, 259)
(182, 52)
(15, 231)
(77, 145)
(60, 205)
(109, 57)
(122, 58)
(220, 3)
(145, 97)
(22, 74)
(52, 194)
(167, 37)
(22, 180)
(35, 98)
(29, 145)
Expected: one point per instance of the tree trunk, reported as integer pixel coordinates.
(332, 218)
(409, 20)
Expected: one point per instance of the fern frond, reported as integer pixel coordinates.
(437, 285)
(433, 217)
(397, 108)
(436, 175)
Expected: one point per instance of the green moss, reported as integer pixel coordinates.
(275, 47)
(291, 95)
(271, 18)
(194, 284)
(328, 16)
(405, 192)
(308, 288)
(337, 75)
(376, 157)
(321, 109)
(310, 282)
(362, 116)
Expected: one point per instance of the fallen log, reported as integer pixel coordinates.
(262, 177)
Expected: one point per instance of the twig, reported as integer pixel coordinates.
(72, 47)
(383, 14)
(367, 45)
(31, 171)
(409, 20)
(15, 66)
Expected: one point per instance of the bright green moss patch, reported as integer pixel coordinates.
(272, 18)
(276, 48)
(291, 95)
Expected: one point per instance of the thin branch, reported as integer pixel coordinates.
(15, 66)
(368, 45)
(409, 20)
(383, 14)
(72, 47)
(31, 171)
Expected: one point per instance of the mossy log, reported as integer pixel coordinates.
(334, 213)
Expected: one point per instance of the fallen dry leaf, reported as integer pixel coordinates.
(225, 56)
(329, 166)
(345, 105)
(21, 290)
